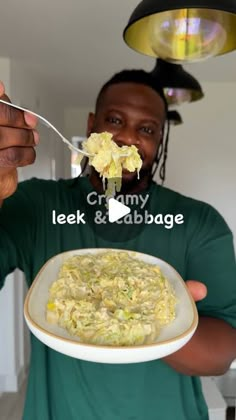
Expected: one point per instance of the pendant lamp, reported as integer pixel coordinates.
(182, 31)
(174, 117)
(178, 85)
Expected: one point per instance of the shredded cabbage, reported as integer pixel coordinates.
(109, 159)
(114, 299)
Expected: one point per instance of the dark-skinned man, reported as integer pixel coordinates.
(132, 107)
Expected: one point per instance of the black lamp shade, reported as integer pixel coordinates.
(178, 85)
(174, 117)
(182, 30)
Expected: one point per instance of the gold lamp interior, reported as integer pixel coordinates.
(184, 35)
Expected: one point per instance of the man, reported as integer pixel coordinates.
(132, 107)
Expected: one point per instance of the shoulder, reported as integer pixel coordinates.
(49, 184)
(185, 201)
(32, 195)
(35, 189)
(198, 214)
(193, 205)
(37, 185)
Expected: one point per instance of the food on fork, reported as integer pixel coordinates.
(109, 160)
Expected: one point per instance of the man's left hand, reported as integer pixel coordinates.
(212, 348)
(197, 289)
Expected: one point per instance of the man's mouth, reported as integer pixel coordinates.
(141, 155)
(127, 175)
(126, 172)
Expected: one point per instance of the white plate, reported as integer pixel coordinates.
(171, 338)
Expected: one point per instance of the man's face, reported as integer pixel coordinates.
(135, 115)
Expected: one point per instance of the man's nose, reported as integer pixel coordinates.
(126, 137)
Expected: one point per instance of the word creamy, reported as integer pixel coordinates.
(129, 199)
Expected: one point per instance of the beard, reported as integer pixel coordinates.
(130, 180)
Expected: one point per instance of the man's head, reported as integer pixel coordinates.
(132, 106)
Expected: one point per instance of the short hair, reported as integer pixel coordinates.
(133, 76)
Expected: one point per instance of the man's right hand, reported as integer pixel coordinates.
(18, 138)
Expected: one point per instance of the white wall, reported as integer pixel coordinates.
(76, 121)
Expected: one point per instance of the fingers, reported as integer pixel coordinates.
(13, 157)
(16, 137)
(12, 117)
(197, 289)
(2, 89)
(8, 184)
(30, 119)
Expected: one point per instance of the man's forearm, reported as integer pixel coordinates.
(210, 351)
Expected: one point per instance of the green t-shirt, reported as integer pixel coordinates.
(63, 388)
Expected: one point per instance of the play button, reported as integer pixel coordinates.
(116, 210)
(118, 219)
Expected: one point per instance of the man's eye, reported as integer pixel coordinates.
(113, 120)
(147, 130)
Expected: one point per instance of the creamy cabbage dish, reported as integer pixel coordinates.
(111, 299)
(109, 159)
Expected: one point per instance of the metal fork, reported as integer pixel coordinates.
(49, 125)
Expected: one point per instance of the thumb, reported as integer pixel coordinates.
(197, 289)
(2, 89)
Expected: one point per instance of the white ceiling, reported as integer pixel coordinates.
(75, 45)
